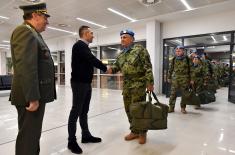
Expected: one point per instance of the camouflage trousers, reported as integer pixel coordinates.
(176, 86)
(130, 96)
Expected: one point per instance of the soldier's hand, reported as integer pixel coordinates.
(109, 70)
(33, 106)
(150, 88)
(192, 82)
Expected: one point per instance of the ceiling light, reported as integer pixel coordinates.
(232, 151)
(186, 5)
(225, 38)
(121, 14)
(150, 2)
(179, 41)
(57, 29)
(63, 25)
(3, 17)
(6, 41)
(4, 45)
(112, 48)
(90, 22)
(213, 38)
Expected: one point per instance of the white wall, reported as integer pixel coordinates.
(200, 25)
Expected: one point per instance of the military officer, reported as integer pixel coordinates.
(179, 77)
(33, 82)
(135, 65)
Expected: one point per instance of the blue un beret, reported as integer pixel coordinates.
(179, 47)
(130, 32)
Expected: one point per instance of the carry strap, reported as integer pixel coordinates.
(154, 96)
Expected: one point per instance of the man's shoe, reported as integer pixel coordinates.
(131, 136)
(91, 139)
(142, 138)
(74, 147)
(183, 111)
(171, 109)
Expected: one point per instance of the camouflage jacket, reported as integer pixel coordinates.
(179, 69)
(198, 73)
(136, 67)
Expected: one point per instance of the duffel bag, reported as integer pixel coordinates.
(148, 116)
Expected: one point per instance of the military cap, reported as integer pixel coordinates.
(194, 51)
(179, 47)
(38, 8)
(127, 31)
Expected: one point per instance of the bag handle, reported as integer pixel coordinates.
(154, 96)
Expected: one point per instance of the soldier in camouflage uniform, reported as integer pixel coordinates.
(179, 77)
(198, 76)
(135, 65)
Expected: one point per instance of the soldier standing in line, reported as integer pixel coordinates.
(198, 77)
(135, 65)
(179, 77)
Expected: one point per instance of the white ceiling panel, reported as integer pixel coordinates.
(66, 11)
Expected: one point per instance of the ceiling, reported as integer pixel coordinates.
(66, 12)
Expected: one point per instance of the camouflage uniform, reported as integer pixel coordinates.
(198, 74)
(211, 78)
(136, 68)
(179, 75)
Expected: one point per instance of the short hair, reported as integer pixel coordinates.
(82, 30)
(27, 16)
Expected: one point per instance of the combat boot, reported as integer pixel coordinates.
(183, 111)
(131, 136)
(142, 138)
(171, 109)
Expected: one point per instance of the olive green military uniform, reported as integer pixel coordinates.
(136, 68)
(179, 75)
(33, 80)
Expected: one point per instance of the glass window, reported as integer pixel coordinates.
(173, 42)
(94, 51)
(207, 40)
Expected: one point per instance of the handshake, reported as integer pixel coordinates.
(109, 70)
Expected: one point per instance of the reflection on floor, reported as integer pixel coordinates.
(209, 131)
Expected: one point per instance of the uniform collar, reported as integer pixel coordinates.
(126, 49)
(30, 25)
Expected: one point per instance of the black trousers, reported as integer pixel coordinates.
(30, 127)
(80, 108)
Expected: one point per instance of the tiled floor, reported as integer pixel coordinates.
(209, 131)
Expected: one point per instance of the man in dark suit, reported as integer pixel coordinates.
(33, 83)
(83, 63)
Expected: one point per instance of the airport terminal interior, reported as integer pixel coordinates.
(205, 26)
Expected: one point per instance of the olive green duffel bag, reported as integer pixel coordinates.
(148, 116)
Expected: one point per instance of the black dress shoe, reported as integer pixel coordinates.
(91, 139)
(74, 147)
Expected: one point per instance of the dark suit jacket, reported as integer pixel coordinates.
(83, 63)
(33, 77)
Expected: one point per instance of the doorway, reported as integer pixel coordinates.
(219, 47)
